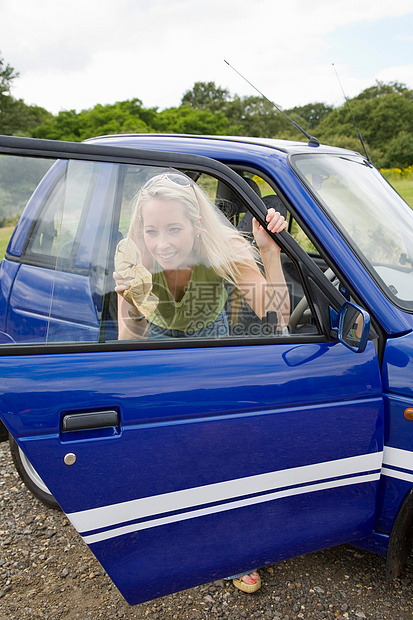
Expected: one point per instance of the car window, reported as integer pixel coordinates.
(359, 200)
(271, 198)
(19, 177)
(181, 276)
(240, 319)
(63, 210)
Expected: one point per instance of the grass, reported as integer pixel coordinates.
(404, 186)
(5, 234)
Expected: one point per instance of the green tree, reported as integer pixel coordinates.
(206, 96)
(7, 75)
(399, 151)
(381, 89)
(250, 116)
(382, 113)
(312, 113)
(121, 117)
(255, 116)
(16, 117)
(185, 119)
(19, 119)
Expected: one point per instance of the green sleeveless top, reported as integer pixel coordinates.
(202, 303)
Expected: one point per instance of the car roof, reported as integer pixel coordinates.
(235, 144)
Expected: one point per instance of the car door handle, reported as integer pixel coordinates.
(89, 420)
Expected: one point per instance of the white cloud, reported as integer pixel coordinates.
(77, 54)
(404, 74)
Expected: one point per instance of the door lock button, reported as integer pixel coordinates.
(70, 458)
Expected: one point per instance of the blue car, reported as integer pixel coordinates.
(163, 451)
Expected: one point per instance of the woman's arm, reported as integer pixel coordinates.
(131, 324)
(269, 293)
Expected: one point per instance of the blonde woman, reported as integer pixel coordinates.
(185, 253)
(173, 266)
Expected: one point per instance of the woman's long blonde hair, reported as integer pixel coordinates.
(220, 245)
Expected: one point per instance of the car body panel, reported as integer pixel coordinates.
(208, 440)
(71, 298)
(397, 478)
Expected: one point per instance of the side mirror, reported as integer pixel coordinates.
(351, 326)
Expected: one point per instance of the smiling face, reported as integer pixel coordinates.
(168, 233)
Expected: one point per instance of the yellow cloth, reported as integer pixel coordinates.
(128, 264)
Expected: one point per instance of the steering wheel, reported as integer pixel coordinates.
(302, 314)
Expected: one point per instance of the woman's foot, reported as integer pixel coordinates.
(248, 583)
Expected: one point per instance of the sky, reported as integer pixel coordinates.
(72, 55)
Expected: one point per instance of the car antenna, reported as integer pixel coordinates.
(311, 140)
(351, 114)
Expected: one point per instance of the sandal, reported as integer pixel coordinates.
(247, 587)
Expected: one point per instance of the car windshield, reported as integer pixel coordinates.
(370, 214)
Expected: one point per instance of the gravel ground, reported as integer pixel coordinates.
(46, 571)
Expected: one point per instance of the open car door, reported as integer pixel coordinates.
(163, 453)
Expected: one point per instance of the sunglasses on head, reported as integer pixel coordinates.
(173, 177)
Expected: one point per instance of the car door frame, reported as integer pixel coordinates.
(33, 147)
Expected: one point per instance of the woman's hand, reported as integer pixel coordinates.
(122, 284)
(275, 223)
(137, 290)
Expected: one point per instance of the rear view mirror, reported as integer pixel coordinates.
(351, 326)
